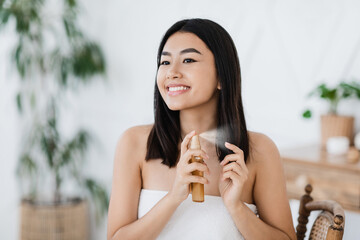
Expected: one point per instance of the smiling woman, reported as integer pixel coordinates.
(187, 73)
(197, 91)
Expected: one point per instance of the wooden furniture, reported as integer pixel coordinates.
(331, 176)
(329, 223)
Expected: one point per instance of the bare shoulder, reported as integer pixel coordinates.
(133, 140)
(262, 148)
(135, 136)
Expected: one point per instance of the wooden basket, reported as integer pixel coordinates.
(66, 221)
(335, 125)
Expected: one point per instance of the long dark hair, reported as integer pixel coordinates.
(165, 136)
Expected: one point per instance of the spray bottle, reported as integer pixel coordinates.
(197, 189)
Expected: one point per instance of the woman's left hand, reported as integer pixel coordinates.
(234, 175)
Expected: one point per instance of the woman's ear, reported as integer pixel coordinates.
(218, 85)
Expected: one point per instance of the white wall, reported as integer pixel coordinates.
(285, 47)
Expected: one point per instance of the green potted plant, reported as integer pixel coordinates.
(333, 124)
(52, 56)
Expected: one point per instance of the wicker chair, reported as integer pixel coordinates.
(329, 224)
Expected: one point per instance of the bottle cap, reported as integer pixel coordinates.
(195, 142)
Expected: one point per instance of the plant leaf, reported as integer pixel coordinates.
(19, 102)
(71, 3)
(75, 147)
(65, 68)
(87, 61)
(27, 166)
(19, 57)
(99, 196)
(4, 14)
(307, 114)
(49, 146)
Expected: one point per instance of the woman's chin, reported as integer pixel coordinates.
(181, 106)
(175, 107)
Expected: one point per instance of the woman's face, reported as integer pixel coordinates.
(186, 76)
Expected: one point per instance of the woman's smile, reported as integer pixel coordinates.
(176, 89)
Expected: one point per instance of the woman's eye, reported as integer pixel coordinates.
(189, 60)
(165, 63)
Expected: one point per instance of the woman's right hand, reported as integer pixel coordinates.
(181, 186)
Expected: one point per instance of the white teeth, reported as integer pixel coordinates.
(174, 89)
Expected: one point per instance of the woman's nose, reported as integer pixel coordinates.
(173, 72)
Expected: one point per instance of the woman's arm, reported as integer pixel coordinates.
(126, 186)
(275, 221)
(150, 225)
(123, 209)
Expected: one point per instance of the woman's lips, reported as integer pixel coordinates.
(174, 91)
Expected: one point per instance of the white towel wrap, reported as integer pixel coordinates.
(207, 220)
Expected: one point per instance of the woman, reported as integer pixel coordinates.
(197, 91)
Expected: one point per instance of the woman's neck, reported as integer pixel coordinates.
(198, 119)
(201, 118)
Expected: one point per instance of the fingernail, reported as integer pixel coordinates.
(226, 143)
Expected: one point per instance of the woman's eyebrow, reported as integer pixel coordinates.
(187, 50)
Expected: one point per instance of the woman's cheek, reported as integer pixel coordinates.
(160, 81)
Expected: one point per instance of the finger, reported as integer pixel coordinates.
(186, 141)
(231, 175)
(202, 167)
(234, 148)
(198, 152)
(193, 152)
(238, 157)
(236, 174)
(234, 166)
(196, 179)
(235, 158)
(242, 164)
(229, 158)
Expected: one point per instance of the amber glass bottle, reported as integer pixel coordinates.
(197, 189)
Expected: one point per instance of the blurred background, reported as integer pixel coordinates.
(286, 49)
